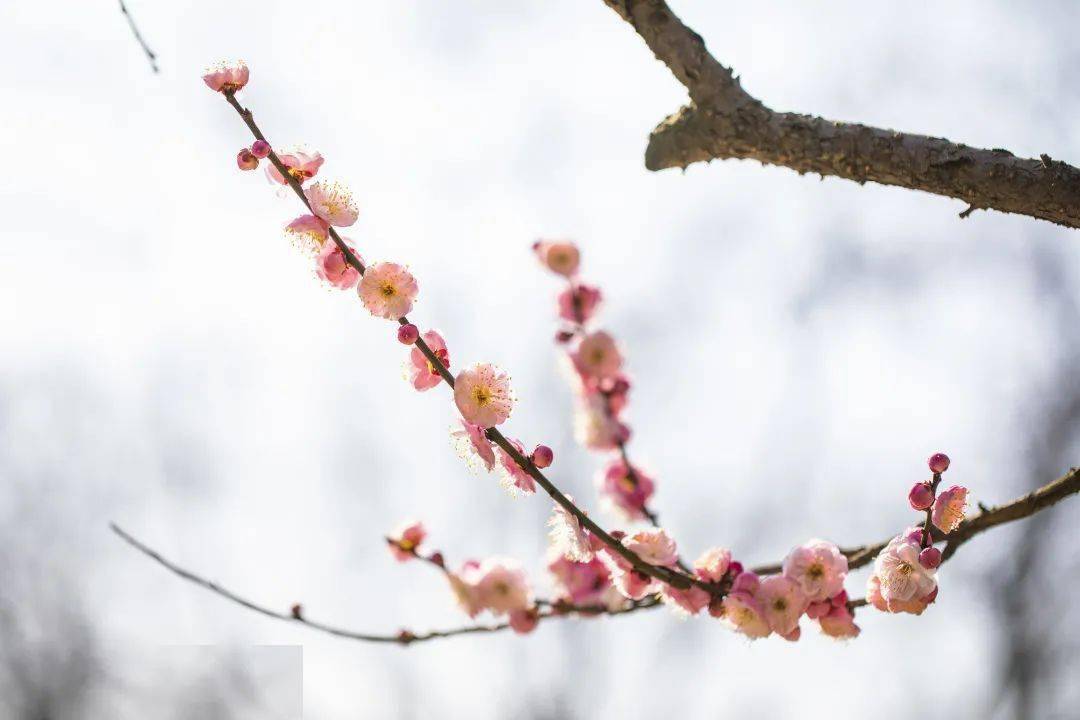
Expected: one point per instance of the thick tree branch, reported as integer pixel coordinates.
(1033, 502)
(724, 121)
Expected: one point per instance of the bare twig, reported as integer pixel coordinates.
(138, 36)
(402, 637)
(1023, 507)
(724, 121)
(675, 578)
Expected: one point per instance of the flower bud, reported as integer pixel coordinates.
(930, 557)
(542, 456)
(921, 496)
(938, 462)
(564, 336)
(260, 148)
(246, 161)
(407, 334)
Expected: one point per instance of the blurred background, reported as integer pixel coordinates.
(169, 362)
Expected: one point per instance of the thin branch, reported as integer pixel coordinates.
(1033, 502)
(138, 36)
(723, 121)
(675, 578)
(402, 637)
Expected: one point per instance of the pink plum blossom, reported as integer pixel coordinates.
(542, 456)
(260, 148)
(597, 356)
(388, 290)
(950, 507)
(594, 427)
(246, 161)
(921, 496)
(406, 540)
(938, 462)
(819, 569)
(560, 257)
(333, 202)
(514, 476)
(408, 334)
(579, 302)
(713, 564)
(463, 583)
(227, 77)
(915, 606)
(308, 233)
(302, 165)
(654, 546)
(334, 268)
(839, 623)
(627, 488)
(581, 583)
(420, 372)
(483, 395)
(502, 587)
(902, 577)
(690, 601)
(567, 536)
(472, 445)
(631, 584)
(742, 612)
(782, 602)
(525, 621)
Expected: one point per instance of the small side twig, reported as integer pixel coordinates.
(150, 56)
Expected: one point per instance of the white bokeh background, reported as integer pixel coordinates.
(168, 361)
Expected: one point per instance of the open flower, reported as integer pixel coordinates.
(513, 475)
(597, 356)
(463, 584)
(782, 603)
(915, 606)
(227, 77)
(713, 564)
(501, 586)
(949, 508)
(567, 536)
(419, 370)
(406, 540)
(333, 202)
(626, 488)
(902, 577)
(654, 546)
(581, 583)
(472, 445)
(332, 266)
(686, 602)
(818, 567)
(308, 233)
(742, 612)
(560, 257)
(839, 623)
(302, 165)
(596, 428)
(388, 290)
(483, 395)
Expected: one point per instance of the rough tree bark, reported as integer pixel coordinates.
(723, 121)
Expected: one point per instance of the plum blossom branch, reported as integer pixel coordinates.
(150, 56)
(1018, 509)
(296, 615)
(667, 575)
(723, 121)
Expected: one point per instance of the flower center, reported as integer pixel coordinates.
(387, 289)
(904, 569)
(481, 395)
(628, 483)
(816, 571)
(779, 605)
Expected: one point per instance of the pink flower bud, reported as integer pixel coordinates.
(921, 496)
(437, 558)
(524, 621)
(930, 558)
(564, 336)
(735, 569)
(407, 334)
(542, 456)
(246, 161)
(260, 148)
(938, 462)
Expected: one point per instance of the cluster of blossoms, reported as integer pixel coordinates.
(387, 290)
(601, 386)
(904, 578)
(592, 573)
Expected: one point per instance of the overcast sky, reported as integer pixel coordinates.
(169, 361)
